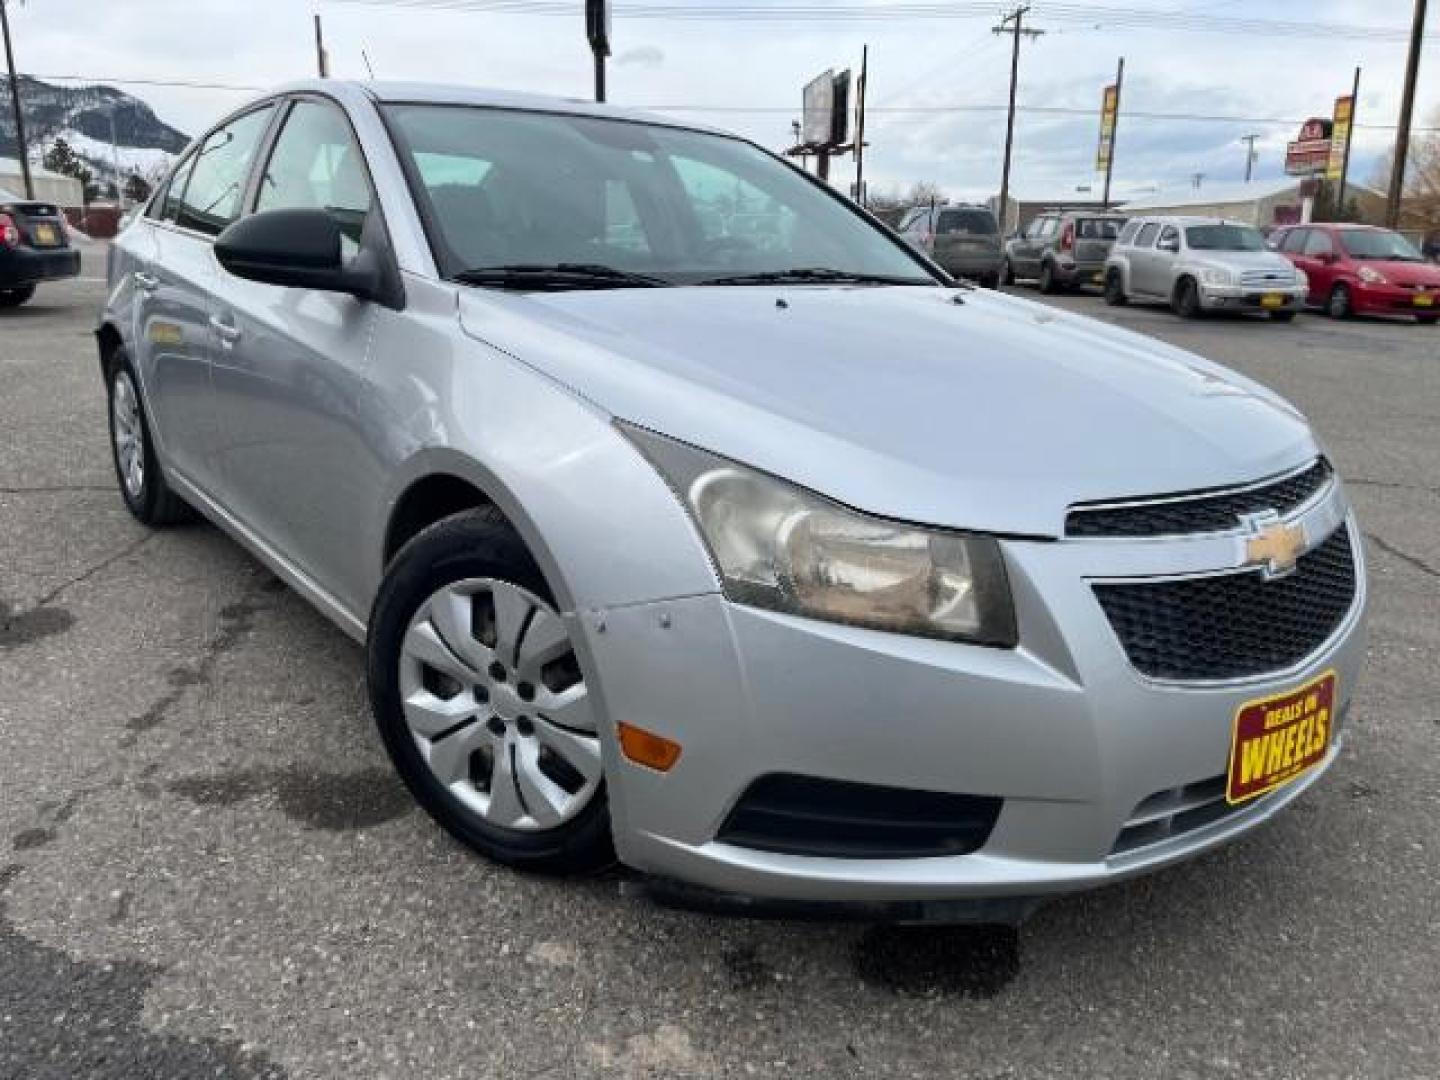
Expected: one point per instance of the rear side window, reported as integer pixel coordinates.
(1319, 243)
(1147, 235)
(211, 199)
(317, 166)
(1127, 234)
(967, 222)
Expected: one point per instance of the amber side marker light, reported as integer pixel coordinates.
(648, 749)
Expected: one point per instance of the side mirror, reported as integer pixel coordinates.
(301, 249)
(1172, 246)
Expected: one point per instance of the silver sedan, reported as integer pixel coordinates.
(689, 517)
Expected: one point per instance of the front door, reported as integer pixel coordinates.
(293, 396)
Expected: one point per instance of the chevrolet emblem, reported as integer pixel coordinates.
(1273, 546)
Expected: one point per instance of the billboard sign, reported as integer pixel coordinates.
(1109, 107)
(1309, 155)
(1340, 137)
(825, 121)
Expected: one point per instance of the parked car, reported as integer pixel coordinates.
(1062, 250)
(1198, 264)
(34, 248)
(796, 573)
(964, 240)
(1359, 269)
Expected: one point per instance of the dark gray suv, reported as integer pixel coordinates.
(1062, 249)
(965, 240)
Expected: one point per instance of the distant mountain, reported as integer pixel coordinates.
(81, 115)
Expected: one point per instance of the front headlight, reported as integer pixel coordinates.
(1213, 275)
(1371, 277)
(784, 548)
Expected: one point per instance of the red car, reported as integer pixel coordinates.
(1357, 269)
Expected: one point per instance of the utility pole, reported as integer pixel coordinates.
(860, 127)
(1011, 24)
(22, 149)
(1114, 131)
(1197, 179)
(1249, 141)
(1349, 138)
(322, 61)
(597, 29)
(1407, 107)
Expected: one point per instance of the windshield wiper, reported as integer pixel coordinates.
(555, 276)
(814, 274)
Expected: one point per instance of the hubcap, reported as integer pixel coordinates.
(495, 701)
(129, 435)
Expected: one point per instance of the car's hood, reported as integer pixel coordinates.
(1243, 260)
(991, 414)
(1400, 270)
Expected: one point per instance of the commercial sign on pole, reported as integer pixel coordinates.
(1109, 106)
(1309, 155)
(1339, 137)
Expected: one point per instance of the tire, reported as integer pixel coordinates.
(1007, 273)
(11, 298)
(142, 484)
(1427, 320)
(1282, 316)
(1185, 301)
(459, 730)
(1338, 304)
(1048, 284)
(1115, 288)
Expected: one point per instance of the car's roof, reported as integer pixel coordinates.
(442, 94)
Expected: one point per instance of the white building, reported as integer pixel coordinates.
(49, 187)
(1260, 202)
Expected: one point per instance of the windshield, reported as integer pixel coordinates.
(513, 188)
(1224, 238)
(1377, 244)
(1099, 228)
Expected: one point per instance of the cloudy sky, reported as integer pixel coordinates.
(934, 80)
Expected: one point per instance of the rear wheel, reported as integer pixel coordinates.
(142, 484)
(15, 297)
(481, 703)
(1339, 305)
(1427, 320)
(1114, 288)
(1186, 299)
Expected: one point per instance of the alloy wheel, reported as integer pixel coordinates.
(494, 698)
(129, 435)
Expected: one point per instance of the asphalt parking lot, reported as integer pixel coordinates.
(207, 868)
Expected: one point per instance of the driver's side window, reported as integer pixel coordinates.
(317, 166)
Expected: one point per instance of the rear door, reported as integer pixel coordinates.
(1142, 259)
(174, 334)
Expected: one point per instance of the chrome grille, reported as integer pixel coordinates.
(1259, 279)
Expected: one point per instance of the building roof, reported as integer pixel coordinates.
(1215, 194)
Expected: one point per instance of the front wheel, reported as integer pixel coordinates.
(10, 298)
(1283, 316)
(1186, 299)
(1339, 305)
(1114, 289)
(481, 703)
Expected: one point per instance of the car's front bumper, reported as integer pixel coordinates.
(30, 266)
(1246, 298)
(1063, 729)
(1394, 300)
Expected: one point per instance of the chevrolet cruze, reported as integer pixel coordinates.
(688, 517)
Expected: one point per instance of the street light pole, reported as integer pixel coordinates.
(22, 149)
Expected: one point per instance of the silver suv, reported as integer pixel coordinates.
(964, 240)
(1060, 250)
(784, 568)
(1199, 264)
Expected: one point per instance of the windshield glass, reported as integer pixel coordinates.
(510, 188)
(1367, 244)
(1224, 238)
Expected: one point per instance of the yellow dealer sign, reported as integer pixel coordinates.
(1339, 137)
(1109, 106)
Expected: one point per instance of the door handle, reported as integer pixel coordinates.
(147, 282)
(227, 332)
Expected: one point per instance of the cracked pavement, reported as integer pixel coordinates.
(207, 868)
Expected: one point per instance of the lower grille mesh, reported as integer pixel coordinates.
(1231, 626)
